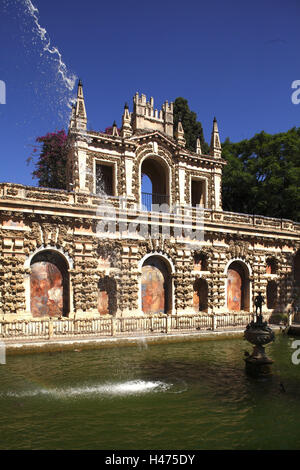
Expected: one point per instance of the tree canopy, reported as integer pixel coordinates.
(192, 128)
(50, 168)
(262, 175)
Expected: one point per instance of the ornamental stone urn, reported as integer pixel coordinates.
(259, 334)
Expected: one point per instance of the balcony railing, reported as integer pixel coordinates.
(151, 201)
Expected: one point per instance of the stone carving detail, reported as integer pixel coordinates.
(85, 285)
(112, 251)
(238, 249)
(12, 299)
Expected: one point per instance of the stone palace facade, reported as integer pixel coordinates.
(139, 231)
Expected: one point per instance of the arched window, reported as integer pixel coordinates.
(238, 287)
(156, 286)
(49, 284)
(154, 183)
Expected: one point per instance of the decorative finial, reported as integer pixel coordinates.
(115, 129)
(215, 146)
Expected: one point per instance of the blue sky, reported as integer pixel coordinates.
(234, 60)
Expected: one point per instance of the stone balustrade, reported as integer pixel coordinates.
(52, 328)
(91, 201)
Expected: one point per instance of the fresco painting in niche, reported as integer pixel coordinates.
(153, 291)
(107, 296)
(103, 307)
(234, 290)
(46, 290)
(196, 300)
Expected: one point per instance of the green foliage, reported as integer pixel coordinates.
(262, 175)
(192, 128)
(50, 168)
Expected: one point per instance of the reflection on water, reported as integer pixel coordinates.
(178, 396)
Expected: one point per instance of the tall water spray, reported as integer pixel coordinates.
(39, 60)
(68, 79)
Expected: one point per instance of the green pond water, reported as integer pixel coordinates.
(192, 395)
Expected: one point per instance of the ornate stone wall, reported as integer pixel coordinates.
(26, 233)
(34, 220)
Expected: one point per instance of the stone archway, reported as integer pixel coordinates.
(49, 285)
(156, 286)
(154, 182)
(238, 287)
(200, 297)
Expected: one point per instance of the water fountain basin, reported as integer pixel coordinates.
(259, 334)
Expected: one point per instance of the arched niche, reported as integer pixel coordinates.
(107, 296)
(156, 286)
(49, 284)
(238, 286)
(200, 296)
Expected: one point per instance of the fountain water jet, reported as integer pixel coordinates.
(70, 80)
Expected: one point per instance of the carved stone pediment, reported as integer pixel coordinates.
(238, 248)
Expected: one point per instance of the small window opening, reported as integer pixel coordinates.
(104, 179)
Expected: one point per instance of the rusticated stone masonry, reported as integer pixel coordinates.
(107, 274)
